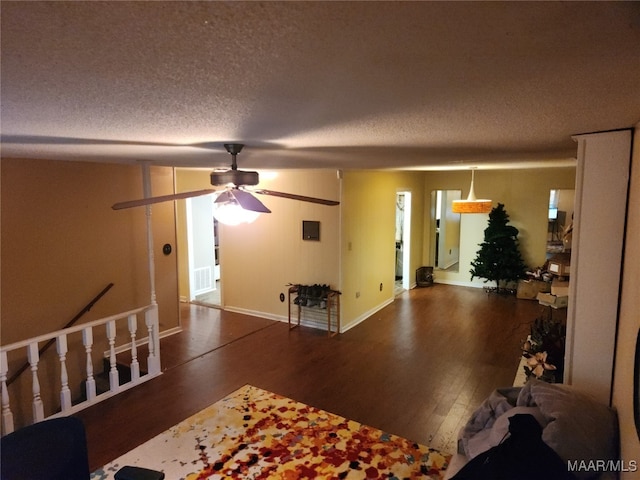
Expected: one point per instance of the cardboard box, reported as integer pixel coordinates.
(529, 289)
(553, 300)
(560, 264)
(560, 288)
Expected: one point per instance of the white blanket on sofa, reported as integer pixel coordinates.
(580, 429)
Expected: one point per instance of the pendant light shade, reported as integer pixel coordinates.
(472, 204)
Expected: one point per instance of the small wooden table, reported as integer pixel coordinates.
(332, 307)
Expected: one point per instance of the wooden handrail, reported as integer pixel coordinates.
(70, 323)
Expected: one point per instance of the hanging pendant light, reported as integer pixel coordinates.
(472, 204)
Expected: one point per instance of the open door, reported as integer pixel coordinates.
(403, 241)
(204, 267)
(445, 236)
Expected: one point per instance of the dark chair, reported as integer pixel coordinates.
(55, 449)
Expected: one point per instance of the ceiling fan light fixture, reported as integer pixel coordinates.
(472, 204)
(234, 177)
(243, 206)
(231, 213)
(234, 206)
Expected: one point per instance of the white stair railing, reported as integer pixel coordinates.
(113, 327)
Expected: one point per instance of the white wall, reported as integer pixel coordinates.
(629, 322)
(601, 197)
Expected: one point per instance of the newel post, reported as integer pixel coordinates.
(151, 316)
(153, 326)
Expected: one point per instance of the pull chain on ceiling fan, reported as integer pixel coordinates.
(234, 204)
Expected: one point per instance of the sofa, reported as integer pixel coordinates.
(574, 427)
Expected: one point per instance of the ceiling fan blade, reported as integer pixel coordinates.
(162, 198)
(293, 196)
(248, 201)
(52, 140)
(223, 197)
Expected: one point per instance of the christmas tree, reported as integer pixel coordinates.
(499, 259)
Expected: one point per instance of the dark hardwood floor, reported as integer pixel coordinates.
(418, 368)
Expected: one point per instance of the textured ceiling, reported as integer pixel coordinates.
(316, 84)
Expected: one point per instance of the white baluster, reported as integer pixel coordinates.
(34, 357)
(151, 320)
(87, 341)
(135, 366)
(7, 416)
(65, 393)
(114, 380)
(149, 324)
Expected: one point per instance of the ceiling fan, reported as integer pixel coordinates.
(234, 196)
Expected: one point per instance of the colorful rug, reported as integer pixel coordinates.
(255, 434)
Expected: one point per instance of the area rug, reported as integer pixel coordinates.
(255, 434)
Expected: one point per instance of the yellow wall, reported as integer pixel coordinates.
(368, 255)
(258, 260)
(368, 238)
(361, 253)
(62, 244)
(629, 321)
(525, 195)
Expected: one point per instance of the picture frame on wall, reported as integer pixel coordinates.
(311, 230)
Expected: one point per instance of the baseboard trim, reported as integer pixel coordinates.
(278, 318)
(256, 313)
(366, 315)
(458, 283)
(285, 319)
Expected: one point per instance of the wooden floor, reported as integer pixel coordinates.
(418, 368)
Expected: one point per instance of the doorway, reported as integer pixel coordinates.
(559, 230)
(403, 242)
(203, 244)
(445, 230)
